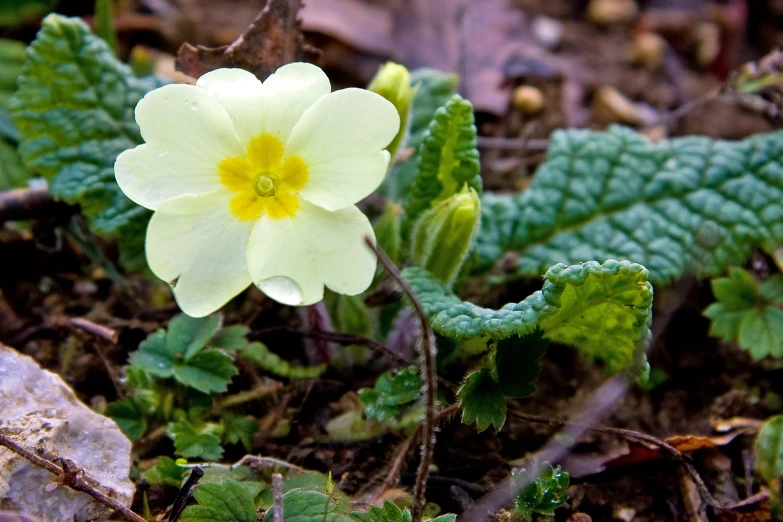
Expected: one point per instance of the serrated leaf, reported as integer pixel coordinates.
(231, 338)
(761, 332)
(166, 472)
(209, 371)
(191, 443)
(391, 392)
(271, 362)
(433, 90)
(390, 512)
(687, 205)
(769, 449)
(449, 159)
(238, 428)
(738, 291)
(544, 493)
(308, 481)
(129, 416)
(74, 109)
(221, 502)
(188, 335)
(517, 364)
(771, 290)
(153, 355)
(481, 401)
(309, 506)
(604, 310)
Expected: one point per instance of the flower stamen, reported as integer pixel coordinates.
(266, 184)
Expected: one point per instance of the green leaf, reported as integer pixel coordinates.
(433, 90)
(12, 172)
(221, 502)
(104, 23)
(271, 362)
(481, 401)
(74, 109)
(517, 363)
(166, 472)
(208, 371)
(604, 310)
(188, 335)
(153, 355)
(544, 493)
(17, 12)
(238, 428)
(309, 506)
(350, 314)
(769, 449)
(190, 443)
(390, 512)
(388, 232)
(448, 159)
(748, 313)
(231, 338)
(687, 205)
(129, 416)
(392, 391)
(308, 481)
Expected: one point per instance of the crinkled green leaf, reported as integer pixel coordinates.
(231, 338)
(271, 362)
(392, 391)
(544, 493)
(238, 428)
(481, 401)
(191, 443)
(166, 472)
(516, 365)
(448, 159)
(129, 416)
(17, 12)
(604, 310)
(74, 109)
(748, 313)
(308, 481)
(686, 205)
(188, 335)
(433, 90)
(227, 501)
(769, 449)
(310, 506)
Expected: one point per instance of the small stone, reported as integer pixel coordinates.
(611, 12)
(611, 106)
(547, 31)
(41, 413)
(624, 513)
(528, 99)
(648, 50)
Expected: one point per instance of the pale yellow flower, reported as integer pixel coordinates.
(257, 183)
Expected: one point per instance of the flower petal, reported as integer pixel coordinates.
(196, 245)
(288, 93)
(240, 93)
(292, 259)
(345, 130)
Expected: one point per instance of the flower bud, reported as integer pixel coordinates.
(444, 235)
(393, 82)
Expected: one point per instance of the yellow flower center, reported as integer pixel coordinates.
(265, 180)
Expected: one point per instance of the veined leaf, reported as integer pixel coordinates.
(74, 109)
(310, 506)
(448, 159)
(481, 401)
(604, 310)
(687, 205)
(225, 501)
(191, 443)
(271, 362)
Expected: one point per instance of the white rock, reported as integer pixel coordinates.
(40, 412)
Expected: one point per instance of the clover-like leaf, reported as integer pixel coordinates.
(226, 501)
(271, 362)
(481, 401)
(191, 443)
(129, 416)
(208, 371)
(392, 391)
(390, 512)
(74, 110)
(769, 449)
(604, 310)
(310, 506)
(188, 335)
(546, 491)
(166, 472)
(238, 428)
(231, 338)
(748, 313)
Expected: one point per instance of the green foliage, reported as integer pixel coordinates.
(604, 310)
(182, 353)
(238, 428)
(129, 416)
(17, 12)
(231, 338)
(481, 401)
(226, 501)
(104, 23)
(444, 235)
(271, 362)
(769, 449)
(166, 472)
(192, 443)
(74, 109)
(748, 313)
(391, 393)
(310, 506)
(448, 159)
(515, 363)
(543, 494)
(687, 205)
(390, 512)
(433, 90)
(388, 232)
(12, 173)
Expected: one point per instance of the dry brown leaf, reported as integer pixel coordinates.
(753, 509)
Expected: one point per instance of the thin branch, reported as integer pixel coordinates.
(429, 376)
(266, 462)
(74, 479)
(98, 330)
(277, 489)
